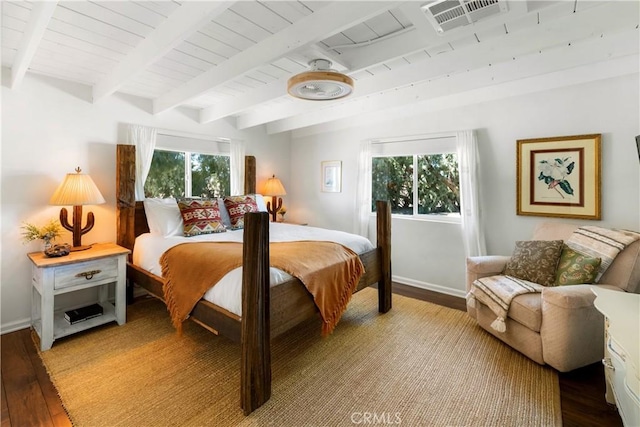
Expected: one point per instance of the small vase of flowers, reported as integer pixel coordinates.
(46, 233)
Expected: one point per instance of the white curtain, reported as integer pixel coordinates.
(363, 193)
(144, 138)
(473, 235)
(237, 167)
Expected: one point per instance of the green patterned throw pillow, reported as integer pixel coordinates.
(575, 268)
(535, 261)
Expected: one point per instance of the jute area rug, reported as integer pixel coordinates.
(418, 365)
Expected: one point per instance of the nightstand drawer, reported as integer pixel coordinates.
(86, 272)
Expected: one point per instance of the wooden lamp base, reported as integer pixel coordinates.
(273, 207)
(77, 228)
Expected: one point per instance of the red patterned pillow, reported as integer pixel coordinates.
(200, 216)
(237, 206)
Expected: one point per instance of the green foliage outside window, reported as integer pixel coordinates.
(438, 183)
(392, 180)
(166, 176)
(210, 175)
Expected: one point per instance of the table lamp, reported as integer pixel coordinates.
(274, 188)
(76, 190)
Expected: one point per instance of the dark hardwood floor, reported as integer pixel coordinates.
(30, 399)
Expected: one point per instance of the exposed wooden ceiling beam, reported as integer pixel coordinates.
(601, 58)
(329, 20)
(41, 13)
(241, 103)
(186, 20)
(560, 31)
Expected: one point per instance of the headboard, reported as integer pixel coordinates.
(131, 219)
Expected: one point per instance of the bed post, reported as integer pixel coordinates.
(255, 372)
(249, 174)
(125, 195)
(383, 228)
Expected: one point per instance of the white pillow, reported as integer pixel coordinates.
(262, 206)
(163, 217)
(224, 213)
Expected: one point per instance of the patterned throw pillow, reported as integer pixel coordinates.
(200, 216)
(576, 268)
(535, 261)
(237, 206)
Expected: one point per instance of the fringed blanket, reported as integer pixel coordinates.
(601, 243)
(497, 292)
(328, 270)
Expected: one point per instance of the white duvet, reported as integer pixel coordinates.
(227, 293)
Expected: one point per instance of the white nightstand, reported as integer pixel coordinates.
(621, 351)
(99, 266)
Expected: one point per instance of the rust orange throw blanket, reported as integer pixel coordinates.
(329, 271)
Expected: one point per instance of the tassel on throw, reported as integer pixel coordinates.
(471, 300)
(499, 325)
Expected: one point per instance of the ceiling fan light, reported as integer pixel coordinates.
(320, 84)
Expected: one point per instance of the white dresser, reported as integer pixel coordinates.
(622, 351)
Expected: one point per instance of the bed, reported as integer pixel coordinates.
(266, 311)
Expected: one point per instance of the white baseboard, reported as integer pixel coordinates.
(430, 286)
(16, 325)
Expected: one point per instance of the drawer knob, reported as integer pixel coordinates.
(88, 274)
(607, 364)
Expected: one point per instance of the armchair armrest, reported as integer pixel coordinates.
(572, 329)
(572, 296)
(484, 266)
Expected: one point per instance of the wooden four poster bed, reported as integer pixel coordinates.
(267, 311)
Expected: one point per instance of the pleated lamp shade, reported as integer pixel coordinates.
(77, 189)
(274, 187)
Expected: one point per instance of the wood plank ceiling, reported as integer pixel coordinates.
(233, 59)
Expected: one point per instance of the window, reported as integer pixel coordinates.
(186, 174)
(419, 177)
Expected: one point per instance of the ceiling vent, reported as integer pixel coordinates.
(445, 15)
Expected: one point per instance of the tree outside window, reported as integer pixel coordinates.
(185, 174)
(210, 175)
(435, 176)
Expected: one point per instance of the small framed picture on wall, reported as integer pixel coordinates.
(331, 176)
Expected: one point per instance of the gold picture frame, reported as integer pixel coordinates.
(331, 176)
(559, 176)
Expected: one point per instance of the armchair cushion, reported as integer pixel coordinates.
(526, 309)
(576, 268)
(535, 261)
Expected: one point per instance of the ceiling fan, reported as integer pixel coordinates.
(321, 83)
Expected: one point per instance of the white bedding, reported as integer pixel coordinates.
(228, 292)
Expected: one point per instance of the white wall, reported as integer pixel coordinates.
(48, 128)
(430, 254)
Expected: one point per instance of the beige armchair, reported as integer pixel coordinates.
(559, 326)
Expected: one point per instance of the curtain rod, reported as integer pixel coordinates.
(441, 135)
(181, 134)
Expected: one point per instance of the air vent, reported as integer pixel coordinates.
(446, 15)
